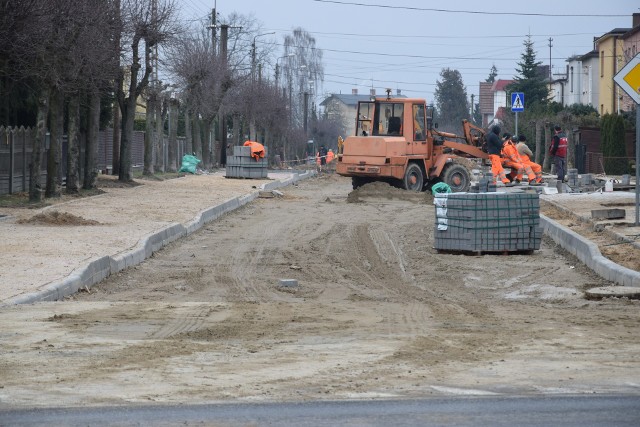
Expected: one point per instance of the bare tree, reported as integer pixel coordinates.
(303, 67)
(146, 24)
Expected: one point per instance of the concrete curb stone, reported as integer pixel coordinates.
(589, 254)
(101, 268)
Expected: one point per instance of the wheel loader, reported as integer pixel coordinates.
(396, 141)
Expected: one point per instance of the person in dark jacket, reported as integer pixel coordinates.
(558, 150)
(494, 148)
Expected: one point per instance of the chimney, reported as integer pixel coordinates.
(636, 19)
(398, 92)
(372, 92)
(354, 91)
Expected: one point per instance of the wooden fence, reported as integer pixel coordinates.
(16, 146)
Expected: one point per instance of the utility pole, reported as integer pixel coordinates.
(214, 29)
(306, 112)
(472, 105)
(550, 78)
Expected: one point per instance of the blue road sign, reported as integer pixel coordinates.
(517, 102)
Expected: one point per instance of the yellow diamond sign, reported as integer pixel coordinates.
(629, 78)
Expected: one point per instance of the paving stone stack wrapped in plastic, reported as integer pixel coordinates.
(242, 165)
(488, 222)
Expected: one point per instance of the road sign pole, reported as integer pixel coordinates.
(516, 123)
(637, 164)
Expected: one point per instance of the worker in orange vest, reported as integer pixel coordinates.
(526, 155)
(494, 147)
(512, 159)
(330, 156)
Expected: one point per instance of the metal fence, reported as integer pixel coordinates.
(16, 146)
(596, 163)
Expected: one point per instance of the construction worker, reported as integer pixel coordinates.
(558, 150)
(330, 156)
(526, 155)
(321, 157)
(494, 148)
(512, 160)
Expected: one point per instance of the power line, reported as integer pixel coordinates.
(473, 12)
(438, 36)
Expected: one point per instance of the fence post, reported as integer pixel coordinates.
(11, 158)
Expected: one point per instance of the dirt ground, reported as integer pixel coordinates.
(377, 313)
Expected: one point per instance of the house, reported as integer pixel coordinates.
(558, 85)
(486, 103)
(494, 100)
(344, 107)
(610, 47)
(582, 86)
(631, 47)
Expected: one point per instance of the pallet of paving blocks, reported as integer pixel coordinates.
(242, 165)
(487, 222)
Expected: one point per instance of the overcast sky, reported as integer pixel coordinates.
(404, 44)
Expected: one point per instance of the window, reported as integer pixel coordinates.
(388, 118)
(365, 110)
(602, 63)
(419, 133)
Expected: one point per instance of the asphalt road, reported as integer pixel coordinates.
(565, 410)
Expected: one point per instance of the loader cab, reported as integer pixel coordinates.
(388, 119)
(430, 113)
(364, 123)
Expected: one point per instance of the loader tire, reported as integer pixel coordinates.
(358, 181)
(457, 177)
(413, 178)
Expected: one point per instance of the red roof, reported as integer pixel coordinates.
(500, 85)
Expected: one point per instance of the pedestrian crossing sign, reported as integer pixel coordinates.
(517, 101)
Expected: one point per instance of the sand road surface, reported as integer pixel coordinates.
(377, 313)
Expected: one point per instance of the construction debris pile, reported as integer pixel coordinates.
(488, 222)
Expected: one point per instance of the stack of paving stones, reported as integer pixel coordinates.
(487, 222)
(586, 179)
(485, 185)
(572, 178)
(242, 165)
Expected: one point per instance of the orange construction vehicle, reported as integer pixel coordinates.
(396, 141)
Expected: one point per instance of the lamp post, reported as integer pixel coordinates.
(253, 54)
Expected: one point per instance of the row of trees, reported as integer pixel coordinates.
(75, 66)
(541, 115)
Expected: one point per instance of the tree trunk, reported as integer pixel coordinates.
(73, 146)
(159, 136)
(571, 147)
(206, 144)
(128, 116)
(91, 152)
(173, 136)
(539, 151)
(197, 137)
(35, 165)
(117, 134)
(55, 145)
(148, 136)
(546, 166)
(188, 142)
(238, 130)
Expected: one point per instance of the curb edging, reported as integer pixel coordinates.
(589, 254)
(100, 268)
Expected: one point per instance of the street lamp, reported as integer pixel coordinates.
(253, 54)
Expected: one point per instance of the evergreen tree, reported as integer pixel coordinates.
(529, 79)
(451, 99)
(492, 74)
(613, 148)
